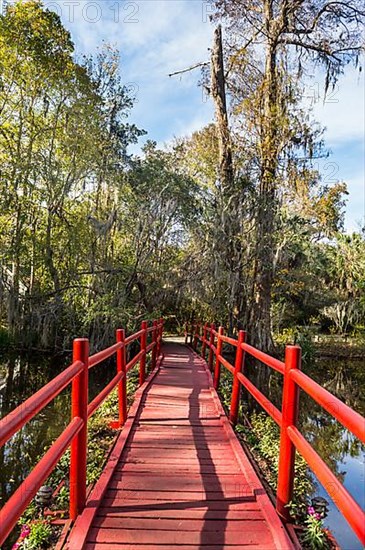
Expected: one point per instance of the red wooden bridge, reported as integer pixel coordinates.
(177, 475)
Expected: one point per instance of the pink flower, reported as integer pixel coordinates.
(15, 546)
(25, 531)
(311, 511)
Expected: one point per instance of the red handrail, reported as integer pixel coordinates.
(17, 503)
(349, 418)
(103, 355)
(265, 358)
(97, 401)
(16, 419)
(290, 437)
(228, 340)
(75, 434)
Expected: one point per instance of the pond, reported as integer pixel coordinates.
(340, 450)
(21, 376)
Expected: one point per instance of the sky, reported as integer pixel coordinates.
(157, 37)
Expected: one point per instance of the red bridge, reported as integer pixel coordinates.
(177, 475)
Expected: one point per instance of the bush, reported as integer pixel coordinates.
(300, 336)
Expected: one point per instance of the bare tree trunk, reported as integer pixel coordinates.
(231, 246)
(13, 307)
(218, 87)
(49, 255)
(260, 314)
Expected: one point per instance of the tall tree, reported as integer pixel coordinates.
(281, 38)
(229, 198)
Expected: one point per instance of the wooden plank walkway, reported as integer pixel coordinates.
(178, 477)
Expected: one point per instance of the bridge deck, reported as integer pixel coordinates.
(177, 476)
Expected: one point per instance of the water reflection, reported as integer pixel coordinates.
(339, 448)
(20, 377)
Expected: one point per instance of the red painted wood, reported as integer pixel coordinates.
(75, 434)
(290, 410)
(181, 512)
(179, 481)
(233, 484)
(122, 386)
(197, 467)
(79, 406)
(173, 452)
(256, 536)
(111, 546)
(110, 522)
(133, 494)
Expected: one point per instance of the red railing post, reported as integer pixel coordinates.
(155, 341)
(290, 409)
(217, 370)
(160, 333)
(195, 344)
(204, 344)
(158, 337)
(211, 343)
(236, 389)
(79, 443)
(143, 345)
(122, 386)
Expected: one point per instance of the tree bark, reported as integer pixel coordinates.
(218, 89)
(260, 314)
(232, 254)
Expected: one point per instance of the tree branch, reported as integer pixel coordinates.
(188, 69)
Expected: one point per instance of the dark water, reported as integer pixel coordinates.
(339, 448)
(22, 376)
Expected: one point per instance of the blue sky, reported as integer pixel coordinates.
(156, 37)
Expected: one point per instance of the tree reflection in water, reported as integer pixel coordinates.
(20, 377)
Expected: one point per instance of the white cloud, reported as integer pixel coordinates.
(155, 38)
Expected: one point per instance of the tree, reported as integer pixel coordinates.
(35, 57)
(346, 281)
(63, 140)
(274, 41)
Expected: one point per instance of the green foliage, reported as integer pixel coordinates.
(225, 388)
(39, 536)
(100, 439)
(73, 257)
(263, 438)
(62, 498)
(29, 513)
(314, 537)
(93, 238)
(347, 282)
(299, 336)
